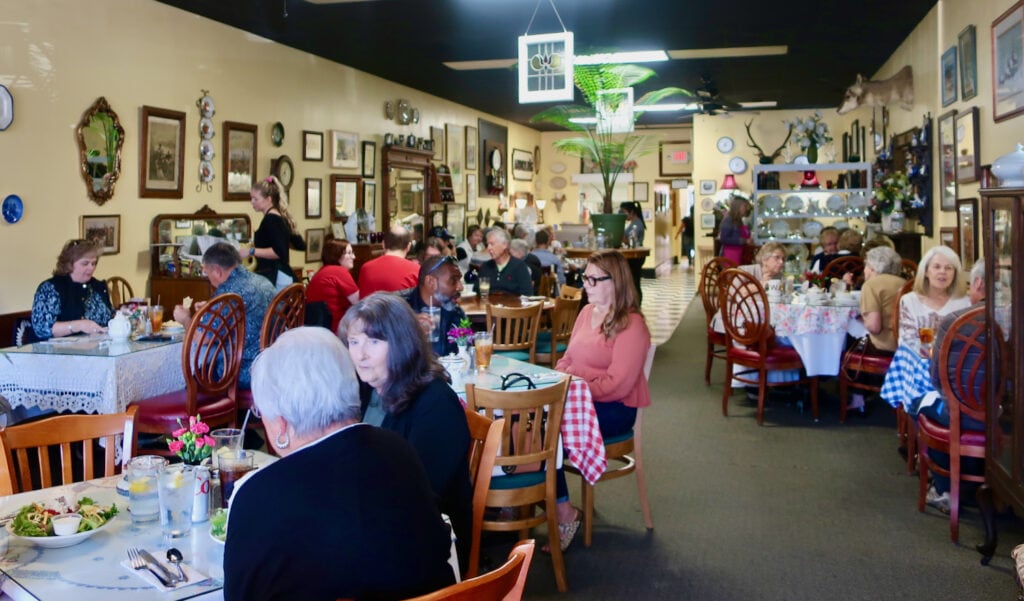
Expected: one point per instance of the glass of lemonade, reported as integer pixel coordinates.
(483, 347)
(142, 475)
(176, 492)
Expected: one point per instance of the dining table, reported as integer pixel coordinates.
(90, 374)
(92, 570)
(908, 380)
(581, 433)
(475, 306)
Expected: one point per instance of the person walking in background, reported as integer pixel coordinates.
(733, 233)
(275, 235)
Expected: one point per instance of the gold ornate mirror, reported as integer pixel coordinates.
(100, 137)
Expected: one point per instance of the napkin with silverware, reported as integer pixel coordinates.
(194, 576)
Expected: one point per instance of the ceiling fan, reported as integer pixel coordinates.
(710, 102)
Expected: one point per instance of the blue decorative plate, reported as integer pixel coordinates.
(13, 209)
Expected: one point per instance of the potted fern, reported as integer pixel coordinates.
(611, 153)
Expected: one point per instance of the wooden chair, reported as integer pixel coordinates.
(551, 344)
(908, 269)
(626, 450)
(485, 440)
(709, 298)
(570, 292)
(211, 356)
(860, 360)
(506, 583)
(515, 330)
(963, 384)
(25, 450)
(120, 291)
(286, 310)
(546, 287)
(533, 421)
(841, 266)
(751, 340)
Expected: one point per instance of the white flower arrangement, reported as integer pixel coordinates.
(810, 130)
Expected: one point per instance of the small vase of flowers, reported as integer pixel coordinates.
(810, 133)
(192, 443)
(816, 279)
(462, 335)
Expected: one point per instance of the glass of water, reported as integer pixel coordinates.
(177, 483)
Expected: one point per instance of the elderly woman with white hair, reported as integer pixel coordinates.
(347, 502)
(882, 285)
(938, 290)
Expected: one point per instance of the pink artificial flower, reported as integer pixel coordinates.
(200, 442)
(209, 441)
(200, 428)
(191, 421)
(175, 446)
(179, 432)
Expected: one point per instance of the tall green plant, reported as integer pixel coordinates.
(610, 152)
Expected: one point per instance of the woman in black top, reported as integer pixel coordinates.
(72, 301)
(275, 235)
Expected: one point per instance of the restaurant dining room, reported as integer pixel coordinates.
(511, 299)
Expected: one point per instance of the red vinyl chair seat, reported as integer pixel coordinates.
(161, 413)
(870, 362)
(716, 338)
(778, 357)
(935, 430)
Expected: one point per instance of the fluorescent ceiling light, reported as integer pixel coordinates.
(760, 104)
(608, 58)
(584, 120)
(734, 52)
(498, 63)
(666, 108)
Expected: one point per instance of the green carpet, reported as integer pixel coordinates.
(789, 511)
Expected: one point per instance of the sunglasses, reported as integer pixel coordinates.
(444, 260)
(591, 280)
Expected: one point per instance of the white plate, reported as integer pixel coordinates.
(6, 108)
(206, 130)
(840, 224)
(215, 539)
(812, 228)
(57, 542)
(557, 167)
(707, 203)
(801, 160)
(771, 203)
(794, 203)
(834, 203)
(780, 229)
(206, 151)
(172, 330)
(857, 200)
(558, 182)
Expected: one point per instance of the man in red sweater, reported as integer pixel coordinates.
(390, 271)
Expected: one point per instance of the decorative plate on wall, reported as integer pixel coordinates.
(558, 182)
(725, 145)
(277, 134)
(6, 108)
(737, 165)
(557, 167)
(12, 209)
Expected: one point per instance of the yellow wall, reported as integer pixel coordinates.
(58, 56)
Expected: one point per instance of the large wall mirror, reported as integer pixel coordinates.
(239, 160)
(407, 186)
(100, 138)
(346, 196)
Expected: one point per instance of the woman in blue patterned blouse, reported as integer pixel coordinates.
(72, 301)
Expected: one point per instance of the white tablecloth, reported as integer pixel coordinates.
(93, 376)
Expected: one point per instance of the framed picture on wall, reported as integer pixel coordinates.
(947, 160)
(707, 221)
(471, 191)
(162, 160)
(314, 197)
(456, 142)
(312, 145)
(239, 167)
(315, 245)
(472, 147)
(369, 159)
(948, 70)
(105, 229)
(968, 168)
(437, 137)
(344, 149)
(967, 229)
(1007, 53)
(948, 236)
(640, 190)
(522, 165)
(967, 45)
(370, 196)
(708, 186)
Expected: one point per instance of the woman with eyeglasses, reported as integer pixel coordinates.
(72, 301)
(607, 349)
(333, 283)
(405, 389)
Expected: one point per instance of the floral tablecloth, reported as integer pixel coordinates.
(789, 319)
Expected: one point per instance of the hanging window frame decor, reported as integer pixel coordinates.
(546, 67)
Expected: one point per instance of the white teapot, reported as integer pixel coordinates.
(455, 366)
(119, 327)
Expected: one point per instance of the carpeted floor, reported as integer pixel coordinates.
(789, 511)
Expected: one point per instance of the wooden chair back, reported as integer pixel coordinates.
(26, 450)
(963, 353)
(709, 277)
(484, 442)
(908, 269)
(837, 268)
(546, 286)
(570, 292)
(530, 434)
(120, 291)
(286, 310)
(211, 354)
(745, 310)
(515, 328)
(505, 583)
(563, 318)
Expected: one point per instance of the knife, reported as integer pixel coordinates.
(168, 578)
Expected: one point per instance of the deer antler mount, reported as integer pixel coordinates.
(766, 159)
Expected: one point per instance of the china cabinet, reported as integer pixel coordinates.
(1002, 218)
(792, 203)
(177, 243)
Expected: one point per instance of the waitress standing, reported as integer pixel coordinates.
(275, 234)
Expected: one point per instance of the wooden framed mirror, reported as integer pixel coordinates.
(239, 160)
(346, 196)
(100, 138)
(407, 185)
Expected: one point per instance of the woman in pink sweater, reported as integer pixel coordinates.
(608, 347)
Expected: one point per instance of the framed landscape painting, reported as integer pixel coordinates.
(948, 71)
(1007, 70)
(162, 160)
(967, 44)
(105, 229)
(344, 149)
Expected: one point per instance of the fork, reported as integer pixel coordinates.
(139, 563)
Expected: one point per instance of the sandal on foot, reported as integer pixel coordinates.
(566, 533)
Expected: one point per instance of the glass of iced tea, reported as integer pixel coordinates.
(483, 347)
(232, 467)
(156, 317)
(926, 334)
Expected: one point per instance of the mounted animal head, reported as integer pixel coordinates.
(897, 89)
(766, 159)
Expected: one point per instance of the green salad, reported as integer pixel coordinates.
(36, 519)
(219, 525)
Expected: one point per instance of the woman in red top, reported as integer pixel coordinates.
(608, 348)
(333, 284)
